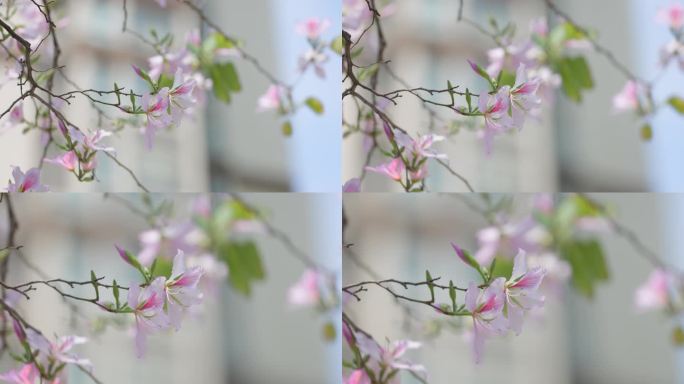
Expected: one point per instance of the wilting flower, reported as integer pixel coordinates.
(394, 169)
(522, 291)
(352, 185)
(68, 161)
(313, 27)
(181, 289)
(148, 307)
(272, 99)
(486, 307)
(307, 291)
(156, 109)
(672, 16)
(654, 294)
(628, 98)
(495, 111)
(58, 352)
(26, 182)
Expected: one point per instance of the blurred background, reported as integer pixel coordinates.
(578, 341)
(226, 146)
(583, 147)
(239, 340)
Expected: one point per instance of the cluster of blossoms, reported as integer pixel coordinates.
(177, 82)
(636, 97)
(43, 360)
(520, 262)
(161, 302)
(279, 97)
(378, 364)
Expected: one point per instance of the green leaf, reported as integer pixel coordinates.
(588, 264)
(337, 45)
(430, 284)
(452, 295)
(162, 267)
(225, 80)
(502, 267)
(506, 78)
(677, 103)
(329, 332)
(115, 291)
(315, 105)
(367, 72)
(576, 76)
(287, 128)
(646, 132)
(244, 262)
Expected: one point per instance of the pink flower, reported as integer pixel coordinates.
(495, 111)
(674, 50)
(91, 143)
(352, 185)
(271, 100)
(521, 291)
(162, 3)
(58, 352)
(486, 307)
(27, 374)
(313, 58)
(524, 99)
(16, 115)
(306, 292)
(28, 182)
(359, 376)
(654, 294)
(628, 98)
(181, 289)
(68, 161)
(421, 147)
(148, 307)
(156, 109)
(505, 239)
(181, 97)
(672, 15)
(390, 358)
(394, 169)
(313, 28)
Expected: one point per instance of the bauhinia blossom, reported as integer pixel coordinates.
(494, 108)
(272, 99)
(181, 289)
(654, 294)
(307, 291)
(486, 306)
(156, 110)
(394, 169)
(522, 291)
(67, 160)
(387, 359)
(524, 99)
(628, 98)
(352, 185)
(313, 27)
(148, 307)
(26, 182)
(672, 16)
(27, 374)
(53, 354)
